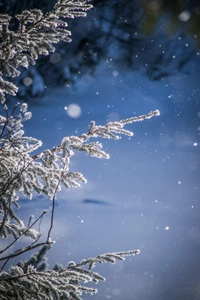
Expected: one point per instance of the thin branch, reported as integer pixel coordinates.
(20, 235)
(25, 249)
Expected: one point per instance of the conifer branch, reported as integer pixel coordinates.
(24, 172)
(60, 283)
(35, 35)
(46, 172)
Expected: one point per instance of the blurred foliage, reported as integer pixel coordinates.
(14, 6)
(181, 14)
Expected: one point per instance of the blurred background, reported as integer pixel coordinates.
(126, 58)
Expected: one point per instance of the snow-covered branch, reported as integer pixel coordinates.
(60, 283)
(25, 171)
(36, 34)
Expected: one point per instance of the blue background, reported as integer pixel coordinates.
(148, 192)
(146, 196)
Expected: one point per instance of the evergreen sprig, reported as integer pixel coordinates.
(44, 173)
(35, 35)
(59, 283)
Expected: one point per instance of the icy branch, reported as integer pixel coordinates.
(60, 283)
(36, 34)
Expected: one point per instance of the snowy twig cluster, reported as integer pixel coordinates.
(26, 171)
(59, 283)
(35, 35)
(45, 172)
